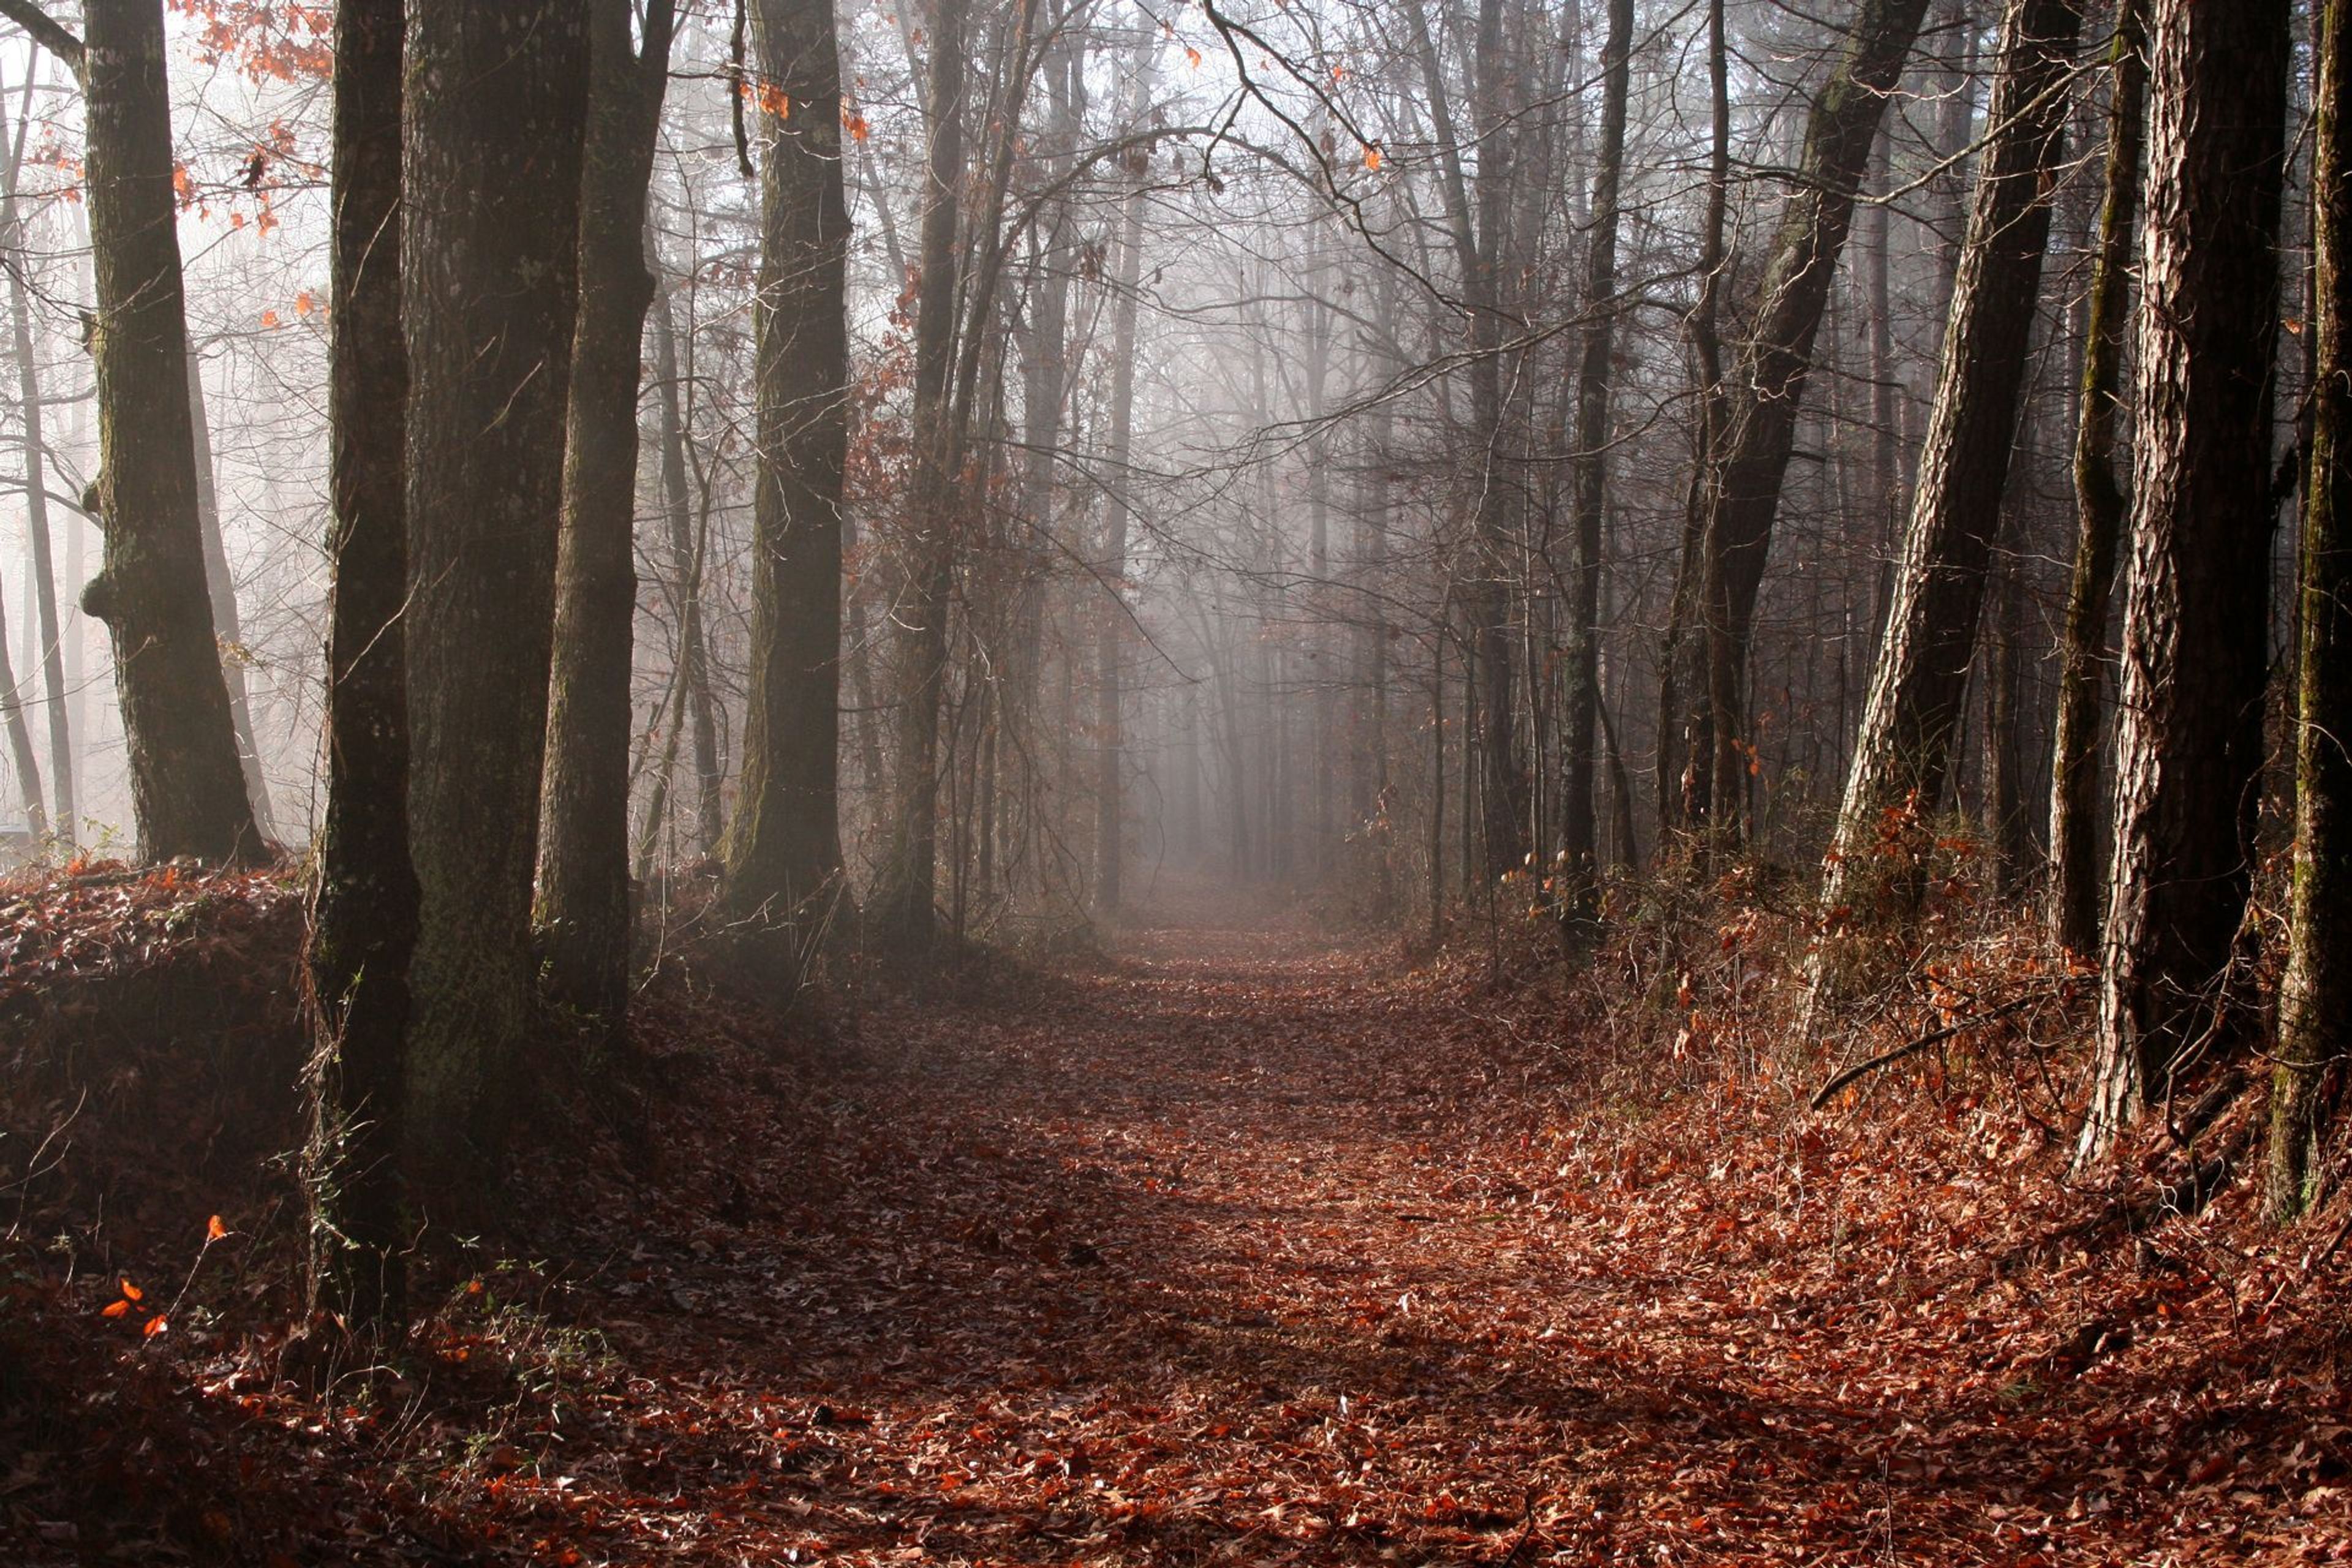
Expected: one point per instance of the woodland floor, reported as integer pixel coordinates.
(1244, 1246)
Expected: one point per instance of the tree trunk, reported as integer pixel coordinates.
(20, 747)
(1589, 457)
(497, 113)
(1686, 745)
(363, 915)
(220, 587)
(1904, 752)
(686, 555)
(784, 849)
(583, 851)
(55, 682)
(1778, 360)
(187, 790)
(2190, 731)
(904, 913)
(1110, 636)
(2099, 506)
(2316, 993)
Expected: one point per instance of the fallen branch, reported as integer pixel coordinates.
(1822, 1095)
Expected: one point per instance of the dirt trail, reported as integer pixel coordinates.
(1223, 1253)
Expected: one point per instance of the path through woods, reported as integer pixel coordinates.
(1246, 1247)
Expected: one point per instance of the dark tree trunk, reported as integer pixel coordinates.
(1778, 360)
(1579, 825)
(2190, 731)
(187, 790)
(904, 916)
(1904, 752)
(584, 852)
(784, 849)
(363, 918)
(2099, 508)
(2315, 993)
(497, 113)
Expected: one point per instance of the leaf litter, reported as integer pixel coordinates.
(1241, 1247)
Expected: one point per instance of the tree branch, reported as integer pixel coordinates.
(45, 31)
(1822, 1095)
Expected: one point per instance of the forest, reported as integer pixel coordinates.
(1175, 782)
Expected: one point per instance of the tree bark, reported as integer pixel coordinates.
(686, 557)
(220, 587)
(1904, 752)
(784, 849)
(188, 791)
(1686, 744)
(904, 915)
(363, 915)
(1778, 360)
(1589, 457)
(2100, 506)
(496, 115)
(1110, 626)
(2189, 733)
(584, 853)
(54, 685)
(2316, 993)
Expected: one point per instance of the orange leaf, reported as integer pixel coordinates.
(268, 317)
(1193, 55)
(155, 1325)
(116, 1310)
(214, 1230)
(305, 302)
(133, 1292)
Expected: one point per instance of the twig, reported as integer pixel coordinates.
(1822, 1095)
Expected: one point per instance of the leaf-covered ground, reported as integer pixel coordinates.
(1246, 1247)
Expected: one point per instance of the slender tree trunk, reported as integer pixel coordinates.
(55, 683)
(784, 849)
(904, 899)
(584, 852)
(2189, 736)
(363, 915)
(220, 587)
(677, 508)
(2008, 838)
(2316, 993)
(1110, 640)
(2100, 506)
(1589, 457)
(20, 746)
(496, 117)
(1917, 690)
(188, 791)
(1778, 361)
(1685, 744)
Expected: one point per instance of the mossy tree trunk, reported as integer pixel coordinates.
(2315, 993)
